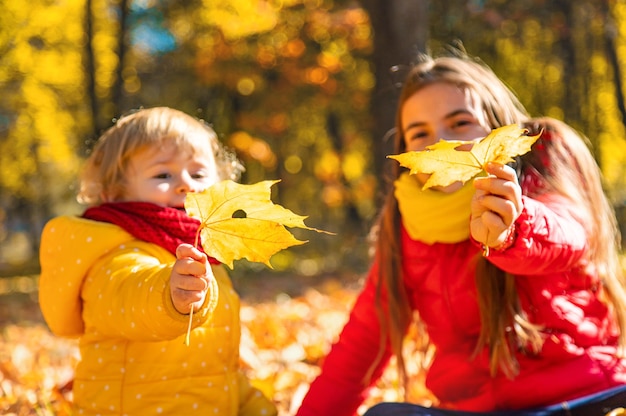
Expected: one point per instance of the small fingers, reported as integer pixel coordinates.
(506, 210)
(501, 171)
(190, 267)
(188, 291)
(185, 300)
(187, 250)
(498, 186)
(500, 194)
(192, 283)
(492, 221)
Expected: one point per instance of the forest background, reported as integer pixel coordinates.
(302, 90)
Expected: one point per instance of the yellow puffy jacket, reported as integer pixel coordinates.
(101, 284)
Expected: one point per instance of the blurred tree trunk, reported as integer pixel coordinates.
(574, 84)
(400, 32)
(90, 75)
(103, 110)
(610, 33)
(118, 86)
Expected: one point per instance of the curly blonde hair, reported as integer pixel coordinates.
(105, 170)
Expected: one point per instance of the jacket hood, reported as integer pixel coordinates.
(70, 246)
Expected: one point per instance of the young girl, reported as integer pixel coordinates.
(515, 280)
(125, 276)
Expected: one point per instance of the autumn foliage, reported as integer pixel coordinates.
(286, 331)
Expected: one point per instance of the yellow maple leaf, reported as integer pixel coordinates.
(240, 221)
(447, 165)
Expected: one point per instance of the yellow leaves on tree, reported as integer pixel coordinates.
(447, 165)
(42, 78)
(240, 221)
(241, 18)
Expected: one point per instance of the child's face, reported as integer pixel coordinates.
(165, 175)
(441, 111)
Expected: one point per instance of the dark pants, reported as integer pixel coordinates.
(598, 404)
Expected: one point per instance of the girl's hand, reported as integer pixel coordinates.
(496, 205)
(189, 281)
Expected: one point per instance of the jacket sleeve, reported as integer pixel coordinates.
(341, 386)
(126, 295)
(550, 238)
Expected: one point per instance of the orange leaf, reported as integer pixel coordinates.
(447, 165)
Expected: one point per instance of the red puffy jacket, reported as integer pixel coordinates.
(556, 288)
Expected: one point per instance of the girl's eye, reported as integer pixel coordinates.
(162, 176)
(417, 135)
(461, 123)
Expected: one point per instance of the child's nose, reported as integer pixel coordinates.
(187, 184)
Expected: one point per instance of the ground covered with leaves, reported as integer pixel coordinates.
(288, 325)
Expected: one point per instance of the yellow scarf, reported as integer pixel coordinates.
(432, 216)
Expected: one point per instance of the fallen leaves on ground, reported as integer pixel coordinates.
(284, 339)
(35, 369)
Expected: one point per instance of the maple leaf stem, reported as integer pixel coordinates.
(477, 161)
(485, 247)
(188, 335)
(197, 240)
(189, 327)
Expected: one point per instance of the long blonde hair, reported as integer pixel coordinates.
(106, 168)
(500, 107)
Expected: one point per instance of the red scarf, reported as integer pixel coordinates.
(163, 226)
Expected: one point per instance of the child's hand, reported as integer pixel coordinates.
(189, 281)
(496, 205)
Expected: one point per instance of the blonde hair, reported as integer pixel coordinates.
(572, 172)
(106, 168)
(500, 107)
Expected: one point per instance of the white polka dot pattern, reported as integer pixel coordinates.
(112, 290)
